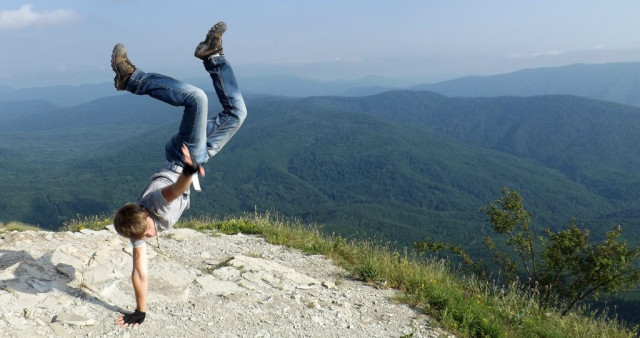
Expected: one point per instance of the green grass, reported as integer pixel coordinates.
(461, 303)
(17, 226)
(87, 222)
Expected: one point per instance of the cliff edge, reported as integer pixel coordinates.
(200, 284)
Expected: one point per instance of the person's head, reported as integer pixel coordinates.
(133, 221)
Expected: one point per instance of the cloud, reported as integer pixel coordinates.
(24, 18)
(347, 60)
(536, 55)
(551, 53)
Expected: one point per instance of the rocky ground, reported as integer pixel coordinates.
(201, 285)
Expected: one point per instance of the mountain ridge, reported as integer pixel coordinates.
(615, 82)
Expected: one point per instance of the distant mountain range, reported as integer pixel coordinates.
(404, 159)
(615, 82)
(402, 165)
(277, 85)
(59, 95)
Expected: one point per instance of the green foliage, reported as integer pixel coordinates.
(509, 218)
(96, 223)
(436, 247)
(573, 268)
(576, 268)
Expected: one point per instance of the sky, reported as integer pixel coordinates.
(68, 42)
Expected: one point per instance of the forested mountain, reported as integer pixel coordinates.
(591, 142)
(616, 82)
(400, 166)
(18, 110)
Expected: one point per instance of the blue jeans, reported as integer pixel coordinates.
(203, 136)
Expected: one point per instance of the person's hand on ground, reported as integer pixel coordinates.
(131, 319)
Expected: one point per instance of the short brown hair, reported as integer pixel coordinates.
(130, 221)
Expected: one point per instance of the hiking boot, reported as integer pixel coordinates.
(123, 67)
(212, 44)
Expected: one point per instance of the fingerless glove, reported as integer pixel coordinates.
(189, 170)
(137, 317)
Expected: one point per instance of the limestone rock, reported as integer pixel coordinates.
(212, 286)
(72, 319)
(76, 284)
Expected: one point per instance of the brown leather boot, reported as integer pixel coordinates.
(123, 67)
(212, 44)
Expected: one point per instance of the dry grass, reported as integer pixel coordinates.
(17, 226)
(462, 304)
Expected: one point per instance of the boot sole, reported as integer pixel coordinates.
(118, 50)
(217, 29)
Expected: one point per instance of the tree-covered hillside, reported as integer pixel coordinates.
(400, 165)
(590, 142)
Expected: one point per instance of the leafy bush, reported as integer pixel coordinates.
(560, 269)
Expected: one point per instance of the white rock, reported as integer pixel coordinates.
(226, 273)
(15, 321)
(250, 297)
(182, 235)
(213, 286)
(73, 319)
(329, 285)
(89, 232)
(69, 256)
(259, 264)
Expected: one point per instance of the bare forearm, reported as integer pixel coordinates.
(174, 191)
(140, 287)
(139, 277)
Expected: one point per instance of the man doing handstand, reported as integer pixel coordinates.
(198, 139)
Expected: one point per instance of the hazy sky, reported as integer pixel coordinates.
(48, 42)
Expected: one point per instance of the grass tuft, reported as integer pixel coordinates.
(17, 226)
(96, 223)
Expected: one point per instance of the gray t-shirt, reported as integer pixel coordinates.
(163, 213)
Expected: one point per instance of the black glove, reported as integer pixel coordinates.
(137, 317)
(189, 170)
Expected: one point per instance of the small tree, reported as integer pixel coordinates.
(577, 269)
(509, 218)
(568, 264)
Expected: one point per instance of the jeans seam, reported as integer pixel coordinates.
(228, 101)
